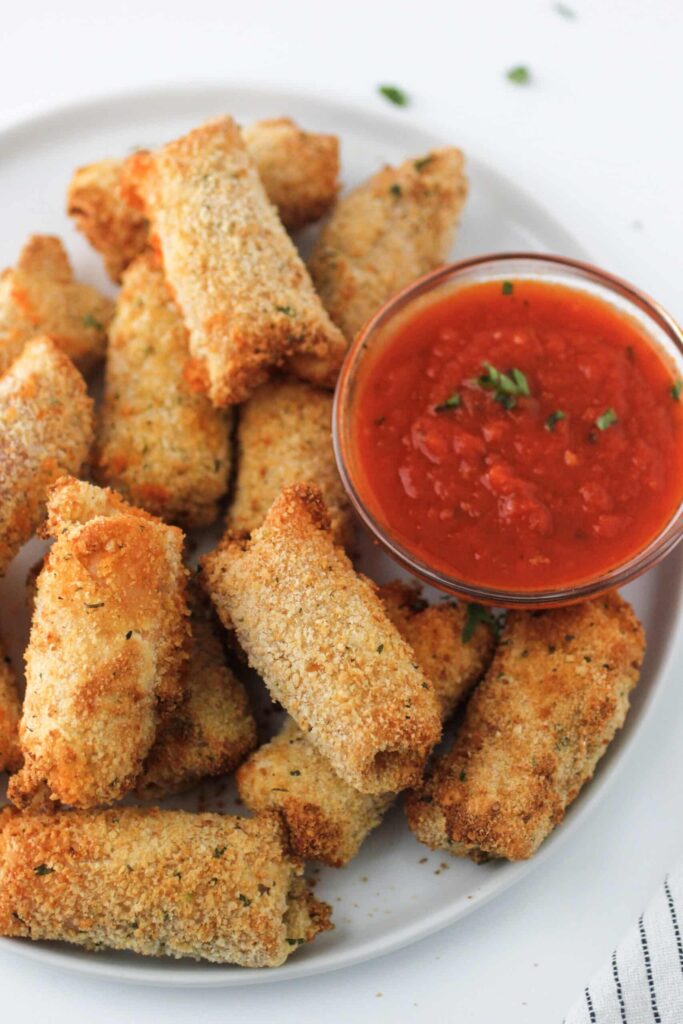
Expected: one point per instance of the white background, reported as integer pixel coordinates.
(597, 138)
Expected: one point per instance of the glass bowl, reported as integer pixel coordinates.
(658, 326)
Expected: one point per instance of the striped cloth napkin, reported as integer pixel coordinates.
(643, 981)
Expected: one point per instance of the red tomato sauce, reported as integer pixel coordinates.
(549, 475)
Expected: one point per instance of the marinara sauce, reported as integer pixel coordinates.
(520, 434)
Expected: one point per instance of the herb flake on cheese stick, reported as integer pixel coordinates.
(387, 232)
(46, 428)
(284, 437)
(107, 645)
(160, 883)
(317, 633)
(40, 296)
(213, 729)
(245, 295)
(552, 700)
(10, 710)
(327, 819)
(160, 443)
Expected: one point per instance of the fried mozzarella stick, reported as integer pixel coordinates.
(299, 171)
(556, 693)
(46, 429)
(245, 295)
(284, 437)
(213, 730)
(10, 754)
(327, 819)
(386, 233)
(160, 443)
(108, 643)
(159, 883)
(317, 633)
(40, 296)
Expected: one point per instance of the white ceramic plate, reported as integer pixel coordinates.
(396, 891)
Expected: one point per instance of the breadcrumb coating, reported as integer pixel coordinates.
(160, 883)
(327, 819)
(299, 171)
(244, 292)
(213, 730)
(555, 695)
(46, 429)
(107, 646)
(116, 230)
(387, 232)
(159, 441)
(40, 296)
(317, 633)
(10, 709)
(284, 437)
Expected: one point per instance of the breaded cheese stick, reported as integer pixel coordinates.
(318, 634)
(284, 437)
(213, 729)
(10, 754)
(245, 295)
(40, 296)
(160, 883)
(386, 233)
(556, 693)
(299, 171)
(327, 819)
(107, 645)
(159, 442)
(46, 429)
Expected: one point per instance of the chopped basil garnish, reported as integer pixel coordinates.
(507, 288)
(554, 418)
(607, 419)
(394, 95)
(454, 402)
(676, 390)
(519, 75)
(508, 387)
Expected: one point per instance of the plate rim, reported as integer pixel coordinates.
(192, 974)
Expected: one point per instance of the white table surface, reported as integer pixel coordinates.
(597, 138)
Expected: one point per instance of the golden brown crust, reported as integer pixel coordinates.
(299, 170)
(244, 292)
(10, 709)
(160, 442)
(327, 819)
(107, 646)
(159, 883)
(213, 729)
(46, 427)
(317, 633)
(115, 229)
(284, 437)
(556, 693)
(386, 233)
(40, 296)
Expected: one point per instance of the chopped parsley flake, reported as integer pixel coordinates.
(396, 189)
(608, 418)
(420, 165)
(90, 320)
(287, 310)
(219, 851)
(454, 402)
(395, 95)
(295, 942)
(244, 899)
(554, 418)
(676, 390)
(463, 775)
(43, 869)
(476, 613)
(295, 772)
(520, 75)
(380, 648)
(507, 288)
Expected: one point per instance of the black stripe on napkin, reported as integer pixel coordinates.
(589, 1004)
(617, 984)
(648, 971)
(674, 921)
